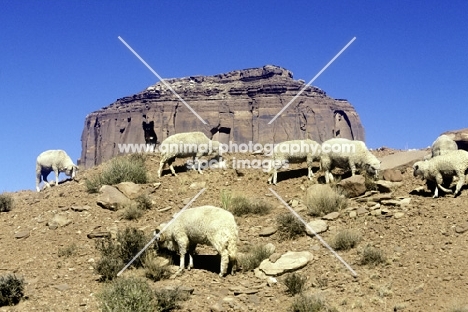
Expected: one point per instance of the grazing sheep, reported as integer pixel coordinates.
(295, 151)
(56, 161)
(206, 225)
(444, 167)
(150, 135)
(347, 154)
(187, 144)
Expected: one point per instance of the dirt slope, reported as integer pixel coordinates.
(426, 270)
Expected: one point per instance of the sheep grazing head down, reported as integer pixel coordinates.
(419, 168)
(373, 166)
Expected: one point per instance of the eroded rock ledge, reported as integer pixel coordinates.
(237, 106)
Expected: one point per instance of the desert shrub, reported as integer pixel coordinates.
(226, 198)
(115, 254)
(110, 262)
(310, 304)
(325, 201)
(295, 283)
(372, 256)
(345, 240)
(131, 241)
(143, 202)
(6, 202)
(120, 169)
(168, 299)
(127, 294)
(11, 290)
(289, 226)
(241, 205)
(253, 256)
(132, 212)
(67, 251)
(154, 269)
(369, 182)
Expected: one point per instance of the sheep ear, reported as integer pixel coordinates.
(416, 167)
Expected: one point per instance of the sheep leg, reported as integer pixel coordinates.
(172, 167)
(38, 181)
(198, 166)
(56, 177)
(224, 262)
(460, 183)
(161, 166)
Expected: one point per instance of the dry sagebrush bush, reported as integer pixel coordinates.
(324, 201)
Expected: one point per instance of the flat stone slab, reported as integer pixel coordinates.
(288, 262)
(331, 216)
(318, 226)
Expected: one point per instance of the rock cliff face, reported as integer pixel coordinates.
(237, 106)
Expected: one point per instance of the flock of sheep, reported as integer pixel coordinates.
(217, 227)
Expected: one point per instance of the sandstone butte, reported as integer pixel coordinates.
(237, 107)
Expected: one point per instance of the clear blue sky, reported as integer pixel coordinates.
(406, 74)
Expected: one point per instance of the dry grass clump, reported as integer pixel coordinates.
(127, 294)
(129, 168)
(345, 240)
(310, 303)
(155, 269)
(11, 290)
(295, 283)
(67, 251)
(372, 256)
(240, 205)
(115, 254)
(324, 201)
(253, 256)
(289, 226)
(6, 202)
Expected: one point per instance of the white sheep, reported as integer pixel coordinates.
(207, 225)
(295, 151)
(186, 144)
(443, 167)
(442, 145)
(347, 154)
(56, 161)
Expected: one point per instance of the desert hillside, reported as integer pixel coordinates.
(424, 241)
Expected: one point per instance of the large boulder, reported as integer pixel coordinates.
(236, 106)
(460, 137)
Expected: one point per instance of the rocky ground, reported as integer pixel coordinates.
(424, 240)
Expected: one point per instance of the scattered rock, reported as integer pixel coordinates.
(164, 209)
(387, 186)
(331, 216)
(129, 189)
(111, 198)
(391, 202)
(354, 186)
(80, 208)
(197, 185)
(62, 287)
(318, 226)
(392, 175)
(352, 214)
(460, 229)
(288, 262)
(362, 211)
(274, 257)
(58, 221)
(267, 231)
(399, 215)
(22, 234)
(270, 248)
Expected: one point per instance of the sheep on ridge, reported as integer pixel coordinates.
(56, 161)
(444, 167)
(206, 225)
(347, 154)
(187, 144)
(295, 151)
(442, 145)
